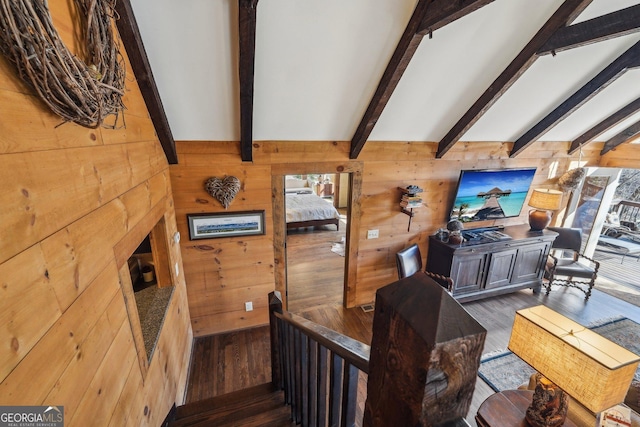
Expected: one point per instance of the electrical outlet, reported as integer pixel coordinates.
(248, 306)
(372, 234)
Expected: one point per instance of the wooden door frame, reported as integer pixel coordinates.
(278, 172)
(613, 175)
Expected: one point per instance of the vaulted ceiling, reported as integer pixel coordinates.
(395, 70)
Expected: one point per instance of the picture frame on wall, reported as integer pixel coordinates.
(225, 224)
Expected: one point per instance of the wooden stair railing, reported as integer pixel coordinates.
(421, 367)
(316, 367)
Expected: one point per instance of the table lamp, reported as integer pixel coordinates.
(573, 360)
(544, 201)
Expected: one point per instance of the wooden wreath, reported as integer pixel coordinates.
(77, 92)
(223, 190)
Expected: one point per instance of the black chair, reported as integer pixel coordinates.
(409, 261)
(564, 267)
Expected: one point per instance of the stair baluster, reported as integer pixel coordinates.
(318, 396)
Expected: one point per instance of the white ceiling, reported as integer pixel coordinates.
(318, 63)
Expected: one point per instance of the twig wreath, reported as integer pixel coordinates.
(77, 92)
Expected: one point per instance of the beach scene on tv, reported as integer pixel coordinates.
(485, 195)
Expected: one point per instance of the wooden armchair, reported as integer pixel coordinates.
(444, 281)
(565, 267)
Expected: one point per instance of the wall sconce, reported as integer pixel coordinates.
(543, 201)
(588, 367)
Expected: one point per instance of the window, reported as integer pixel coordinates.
(147, 285)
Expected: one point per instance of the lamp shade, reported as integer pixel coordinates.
(593, 370)
(545, 199)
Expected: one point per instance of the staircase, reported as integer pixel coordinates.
(256, 406)
(316, 372)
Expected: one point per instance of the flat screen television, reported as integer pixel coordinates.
(489, 194)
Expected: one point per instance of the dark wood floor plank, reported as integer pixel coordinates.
(265, 408)
(226, 363)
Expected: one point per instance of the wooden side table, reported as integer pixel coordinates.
(325, 189)
(507, 409)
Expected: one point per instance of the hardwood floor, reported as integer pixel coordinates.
(235, 361)
(309, 256)
(224, 363)
(230, 362)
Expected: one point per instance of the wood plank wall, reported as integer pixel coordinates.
(222, 274)
(69, 195)
(623, 156)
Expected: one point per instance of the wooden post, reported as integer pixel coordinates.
(425, 355)
(275, 306)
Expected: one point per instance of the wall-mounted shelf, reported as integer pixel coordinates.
(410, 200)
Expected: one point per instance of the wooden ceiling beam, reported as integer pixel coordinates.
(605, 27)
(565, 14)
(629, 59)
(132, 41)
(605, 125)
(624, 136)
(442, 13)
(399, 62)
(427, 14)
(247, 35)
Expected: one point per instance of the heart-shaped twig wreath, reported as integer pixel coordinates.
(224, 190)
(82, 93)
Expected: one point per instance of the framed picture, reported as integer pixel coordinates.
(225, 224)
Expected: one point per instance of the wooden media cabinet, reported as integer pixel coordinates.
(484, 266)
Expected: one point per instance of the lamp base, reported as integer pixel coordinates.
(549, 405)
(539, 220)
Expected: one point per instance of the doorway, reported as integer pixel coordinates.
(590, 204)
(590, 208)
(315, 241)
(353, 181)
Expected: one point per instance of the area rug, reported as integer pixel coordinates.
(625, 293)
(338, 247)
(503, 370)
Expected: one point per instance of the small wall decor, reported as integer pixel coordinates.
(223, 190)
(571, 179)
(81, 93)
(223, 224)
(411, 199)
